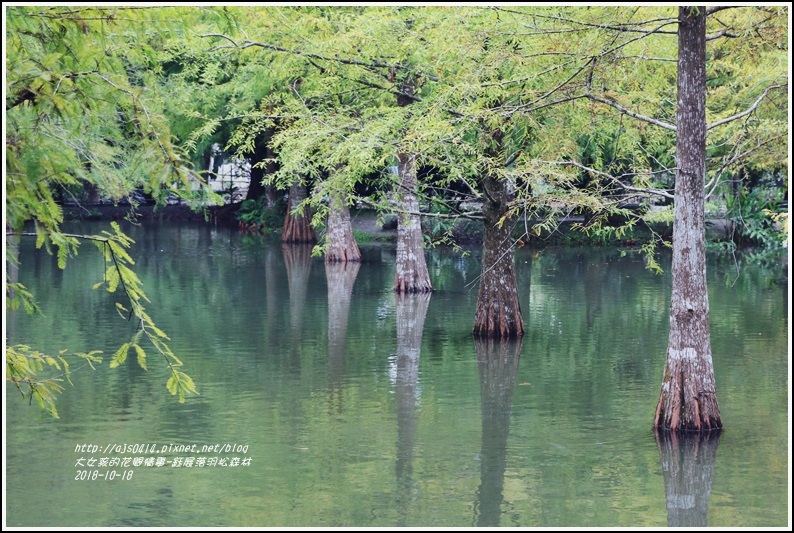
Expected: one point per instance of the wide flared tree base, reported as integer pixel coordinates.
(686, 403)
(298, 229)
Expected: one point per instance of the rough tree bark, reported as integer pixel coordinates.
(688, 399)
(411, 272)
(297, 226)
(341, 245)
(498, 311)
(411, 275)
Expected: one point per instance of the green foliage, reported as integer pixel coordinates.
(544, 98)
(362, 237)
(254, 214)
(79, 114)
(24, 366)
(572, 110)
(754, 216)
(440, 228)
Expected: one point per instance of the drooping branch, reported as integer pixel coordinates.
(714, 9)
(179, 383)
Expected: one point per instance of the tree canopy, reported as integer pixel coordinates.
(569, 109)
(79, 116)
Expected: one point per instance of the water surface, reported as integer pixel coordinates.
(359, 408)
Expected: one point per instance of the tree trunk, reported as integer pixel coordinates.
(297, 225)
(412, 274)
(498, 311)
(92, 196)
(341, 246)
(688, 399)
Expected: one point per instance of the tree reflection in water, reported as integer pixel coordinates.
(340, 277)
(688, 460)
(497, 361)
(411, 309)
(298, 261)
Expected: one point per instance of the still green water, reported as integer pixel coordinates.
(340, 404)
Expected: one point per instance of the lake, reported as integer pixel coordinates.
(327, 401)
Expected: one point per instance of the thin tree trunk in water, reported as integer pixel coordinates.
(412, 274)
(297, 226)
(688, 468)
(688, 399)
(498, 311)
(341, 245)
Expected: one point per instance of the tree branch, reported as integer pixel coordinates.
(712, 10)
(721, 33)
(750, 109)
(632, 114)
(615, 180)
(345, 61)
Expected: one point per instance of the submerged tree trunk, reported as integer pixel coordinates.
(498, 311)
(688, 399)
(297, 225)
(298, 261)
(412, 274)
(341, 245)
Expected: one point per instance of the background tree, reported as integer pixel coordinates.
(341, 244)
(78, 114)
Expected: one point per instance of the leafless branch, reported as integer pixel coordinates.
(750, 109)
(632, 114)
(714, 9)
(614, 179)
(722, 33)
(620, 28)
